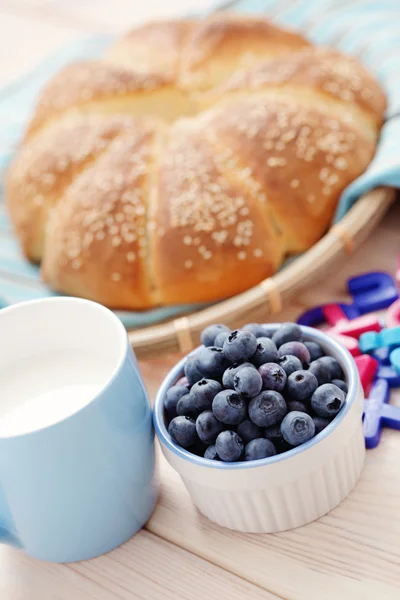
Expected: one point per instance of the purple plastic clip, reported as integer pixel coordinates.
(389, 374)
(372, 291)
(382, 355)
(315, 316)
(378, 413)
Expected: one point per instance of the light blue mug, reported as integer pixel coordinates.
(76, 439)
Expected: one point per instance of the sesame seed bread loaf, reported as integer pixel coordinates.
(190, 162)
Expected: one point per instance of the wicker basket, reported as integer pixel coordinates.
(268, 297)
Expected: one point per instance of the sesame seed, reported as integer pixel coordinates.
(131, 257)
(100, 235)
(257, 252)
(188, 264)
(294, 183)
(340, 163)
(76, 263)
(116, 241)
(187, 240)
(241, 255)
(38, 200)
(116, 276)
(276, 161)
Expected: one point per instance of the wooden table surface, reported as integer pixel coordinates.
(352, 553)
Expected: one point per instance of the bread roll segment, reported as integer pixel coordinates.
(186, 165)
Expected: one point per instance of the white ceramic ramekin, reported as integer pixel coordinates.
(284, 491)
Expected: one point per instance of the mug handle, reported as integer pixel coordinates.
(6, 535)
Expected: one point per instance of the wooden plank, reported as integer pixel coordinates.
(145, 568)
(354, 552)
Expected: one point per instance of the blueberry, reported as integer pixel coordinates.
(229, 446)
(249, 431)
(268, 408)
(297, 428)
(173, 395)
(259, 448)
(182, 381)
(198, 448)
(211, 362)
(287, 332)
(341, 384)
(211, 453)
(247, 382)
(290, 364)
(334, 368)
(301, 384)
(283, 447)
(256, 329)
(183, 431)
(240, 346)
(186, 407)
(327, 400)
(229, 407)
(297, 405)
(221, 337)
(191, 371)
(320, 423)
(273, 377)
(274, 433)
(203, 393)
(314, 349)
(266, 352)
(320, 370)
(208, 427)
(295, 349)
(209, 334)
(229, 374)
(269, 330)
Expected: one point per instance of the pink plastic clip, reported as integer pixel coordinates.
(334, 314)
(356, 327)
(348, 342)
(367, 367)
(392, 318)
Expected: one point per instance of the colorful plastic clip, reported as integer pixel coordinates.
(392, 317)
(332, 314)
(320, 315)
(372, 340)
(367, 367)
(372, 291)
(378, 413)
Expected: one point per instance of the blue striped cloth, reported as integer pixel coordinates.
(368, 29)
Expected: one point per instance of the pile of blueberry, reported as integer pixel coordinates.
(253, 393)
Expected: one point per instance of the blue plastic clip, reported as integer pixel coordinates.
(378, 413)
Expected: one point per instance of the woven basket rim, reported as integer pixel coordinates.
(268, 297)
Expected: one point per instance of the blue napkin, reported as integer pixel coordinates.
(369, 29)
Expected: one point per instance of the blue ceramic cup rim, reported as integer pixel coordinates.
(123, 344)
(177, 372)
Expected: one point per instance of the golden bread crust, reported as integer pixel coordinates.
(98, 232)
(126, 209)
(323, 70)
